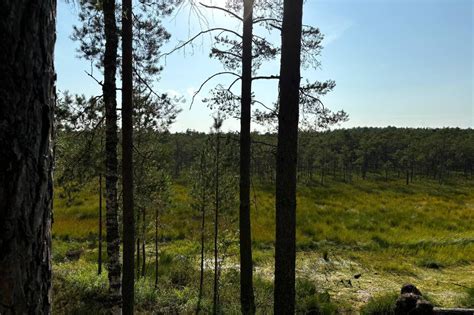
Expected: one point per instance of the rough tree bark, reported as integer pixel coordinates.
(286, 158)
(27, 96)
(246, 267)
(128, 279)
(111, 139)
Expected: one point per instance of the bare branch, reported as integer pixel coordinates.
(199, 34)
(94, 78)
(209, 79)
(145, 83)
(260, 20)
(268, 108)
(216, 50)
(232, 84)
(222, 9)
(268, 77)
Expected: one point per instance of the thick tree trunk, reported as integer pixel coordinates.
(246, 267)
(111, 139)
(288, 116)
(128, 279)
(27, 96)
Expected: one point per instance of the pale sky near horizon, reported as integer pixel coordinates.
(404, 63)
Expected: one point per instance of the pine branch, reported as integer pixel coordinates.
(207, 80)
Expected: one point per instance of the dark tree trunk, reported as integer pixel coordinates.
(323, 171)
(246, 268)
(111, 139)
(156, 248)
(201, 275)
(364, 168)
(138, 256)
(99, 258)
(27, 96)
(215, 305)
(143, 243)
(288, 116)
(203, 224)
(138, 241)
(128, 279)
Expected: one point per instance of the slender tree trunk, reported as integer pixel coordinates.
(144, 243)
(128, 278)
(201, 276)
(288, 115)
(99, 258)
(138, 253)
(203, 224)
(27, 97)
(246, 267)
(111, 140)
(215, 306)
(323, 169)
(156, 248)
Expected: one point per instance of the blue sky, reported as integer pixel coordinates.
(404, 63)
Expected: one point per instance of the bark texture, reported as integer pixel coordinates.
(128, 279)
(286, 158)
(246, 267)
(111, 139)
(27, 96)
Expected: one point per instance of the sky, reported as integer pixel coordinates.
(403, 63)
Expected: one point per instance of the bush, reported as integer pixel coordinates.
(310, 301)
(468, 300)
(430, 263)
(77, 289)
(380, 305)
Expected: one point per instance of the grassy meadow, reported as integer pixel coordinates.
(358, 243)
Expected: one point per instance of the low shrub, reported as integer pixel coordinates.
(468, 299)
(380, 305)
(310, 301)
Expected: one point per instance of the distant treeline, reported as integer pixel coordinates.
(384, 153)
(343, 154)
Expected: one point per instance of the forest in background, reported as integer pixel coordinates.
(377, 153)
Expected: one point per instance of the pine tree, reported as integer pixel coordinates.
(27, 97)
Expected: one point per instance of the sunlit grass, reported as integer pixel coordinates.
(389, 229)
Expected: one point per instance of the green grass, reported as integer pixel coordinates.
(381, 305)
(468, 299)
(390, 232)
